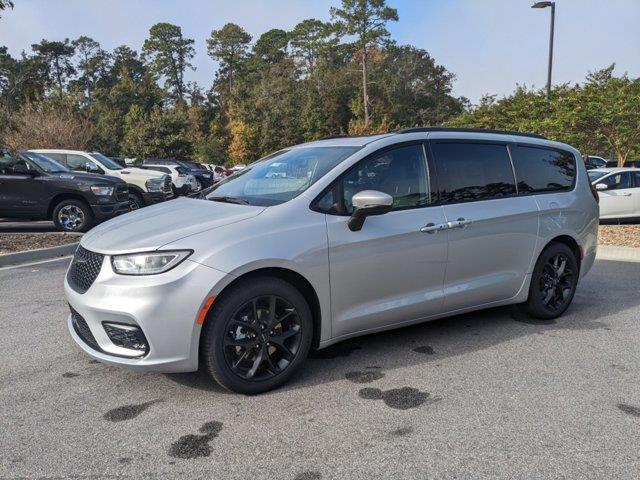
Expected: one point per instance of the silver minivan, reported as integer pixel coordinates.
(333, 239)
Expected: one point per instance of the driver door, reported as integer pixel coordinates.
(617, 200)
(389, 272)
(20, 192)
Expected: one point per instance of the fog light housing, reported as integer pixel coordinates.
(127, 336)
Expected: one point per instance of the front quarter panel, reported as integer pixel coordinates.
(289, 236)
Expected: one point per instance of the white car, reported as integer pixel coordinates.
(183, 183)
(619, 192)
(146, 187)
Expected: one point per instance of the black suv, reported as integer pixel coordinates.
(36, 187)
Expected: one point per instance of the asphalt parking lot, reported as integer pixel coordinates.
(483, 395)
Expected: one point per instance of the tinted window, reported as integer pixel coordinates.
(637, 178)
(543, 170)
(472, 171)
(400, 172)
(159, 169)
(617, 181)
(58, 157)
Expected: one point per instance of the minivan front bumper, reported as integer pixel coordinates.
(163, 307)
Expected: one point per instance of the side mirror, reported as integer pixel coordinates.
(601, 186)
(91, 168)
(367, 203)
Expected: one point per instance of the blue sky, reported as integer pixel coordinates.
(491, 45)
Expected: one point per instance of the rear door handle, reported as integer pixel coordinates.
(460, 223)
(433, 228)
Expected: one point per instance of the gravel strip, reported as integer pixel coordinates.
(11, 242)
(621, 235)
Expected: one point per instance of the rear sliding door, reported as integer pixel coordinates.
(493, 230)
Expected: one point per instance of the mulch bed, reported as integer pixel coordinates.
(18, 242)
(620, 235)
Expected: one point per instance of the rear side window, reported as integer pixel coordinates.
(543, 170)
(470, 172)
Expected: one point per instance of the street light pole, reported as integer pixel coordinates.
(551, 29)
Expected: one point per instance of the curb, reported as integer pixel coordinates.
(18, 258)
(619, 254)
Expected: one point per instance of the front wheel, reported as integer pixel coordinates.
(553, 283)
(135, 201)
(257, 335)
(72, 216)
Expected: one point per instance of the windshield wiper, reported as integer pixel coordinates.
(229, 199)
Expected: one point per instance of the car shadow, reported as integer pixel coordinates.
(442, 339)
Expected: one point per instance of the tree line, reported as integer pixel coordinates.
(344, 76)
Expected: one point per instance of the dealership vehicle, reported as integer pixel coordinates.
(204, 178)
(619, 192)
(182, 182)
(362, 234)
(592, 161)
(35, 187)
(219, 172)
(146, 187)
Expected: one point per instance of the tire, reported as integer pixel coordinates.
(72, 216)
(136, 201)
(545, 282)
(232, 333)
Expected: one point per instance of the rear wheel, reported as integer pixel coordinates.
(257, 335)
(553, 283)
(72, 216)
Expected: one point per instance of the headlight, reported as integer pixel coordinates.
(102, 191)
(155, 184)
(149, 263)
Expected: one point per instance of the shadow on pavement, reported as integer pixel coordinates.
(460, 334)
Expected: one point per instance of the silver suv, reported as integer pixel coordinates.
(352, 236)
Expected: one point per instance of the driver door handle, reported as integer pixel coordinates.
(433, 228)
(460, 223)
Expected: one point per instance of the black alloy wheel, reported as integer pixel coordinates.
(553, 282)
(257, 335)
(262, 338)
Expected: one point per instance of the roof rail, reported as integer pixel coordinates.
(470, 130)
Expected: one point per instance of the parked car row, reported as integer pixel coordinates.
(78, 189)
(35, 187)
(593, 161)
(145, 187)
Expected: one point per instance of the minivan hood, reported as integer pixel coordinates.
(152, 227)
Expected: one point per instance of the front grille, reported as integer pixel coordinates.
(122, 193)
(127, 336)
(166, 188)
(84, 269)
(82, 330)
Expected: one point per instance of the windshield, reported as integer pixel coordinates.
(279, 177)
(45, 163)
(106, 161)
(593, 175)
